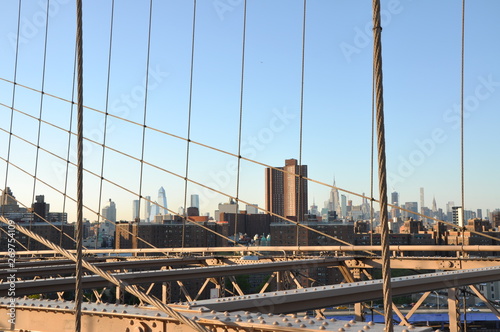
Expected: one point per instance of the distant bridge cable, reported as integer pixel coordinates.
(105, 130)
(382, 171)
(13, 100)
(190, 108)
(242, 86)
(301, 131)
(40, 112)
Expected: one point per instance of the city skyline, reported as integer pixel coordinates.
(421, 85)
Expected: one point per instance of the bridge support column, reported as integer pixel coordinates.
(359, 314)
(453, 310)
(119, 296)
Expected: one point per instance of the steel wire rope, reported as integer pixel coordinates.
(79, 189)
(66, 175)
(105, 131)
(242, 85)
(301, 186)
(190, 107)
(386, 263)
(9, 145)
(262, 164)
(44, 67)
(132, 289)
(462, 151)
(372, 157)
(141, 175)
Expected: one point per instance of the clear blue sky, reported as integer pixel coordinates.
(421, 59)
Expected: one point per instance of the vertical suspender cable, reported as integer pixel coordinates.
(44, 67)
(372, 158)
(462, 167)
(145, 116)
(242, 81)
(105, 124)
(189, 125)
(79, 222)
(4, 192)
(300, 180)
(462, 115)
(65, 196)
(386, 265)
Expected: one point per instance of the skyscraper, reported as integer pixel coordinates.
(109, 211)
(162, 200)
(195, 201)
(146, 209)
(334, 201)
(286, 193)
(422, 203)
(395, 213)
(135, 209)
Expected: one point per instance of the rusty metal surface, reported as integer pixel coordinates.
(27, 287)
(326, 296)
(50, 316)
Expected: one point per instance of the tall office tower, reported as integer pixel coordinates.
(286, 193)
(434, 205)
(412, 206)
(480, 213)
(343, 206)
(395, 201)
(457, 216)
(449, 210)
(162, 200)
(334, 200)
(195, 201)
(40, 209)
(135, 210)
(109, 211)
(146, 209)
(422, 205)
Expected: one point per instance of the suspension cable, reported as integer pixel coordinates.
(462, 152)
(105, 131)
(190, 107)
(79, 221)
(141, 173)
(13, 100)
(44, 68)
(242, 85)
(300, 179)
(386, 263)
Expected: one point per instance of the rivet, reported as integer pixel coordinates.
(302, 326)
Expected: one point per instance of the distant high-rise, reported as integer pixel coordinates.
(334, 201)
(412, 206)
(146, 209)
(422, 202)
(395, 201)
(457, 216)
(162, 200)
(195, 201)
(343, 206)
(109, 211)
(434, 205)
(40, 209)
(135, 209)
(286, 193)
